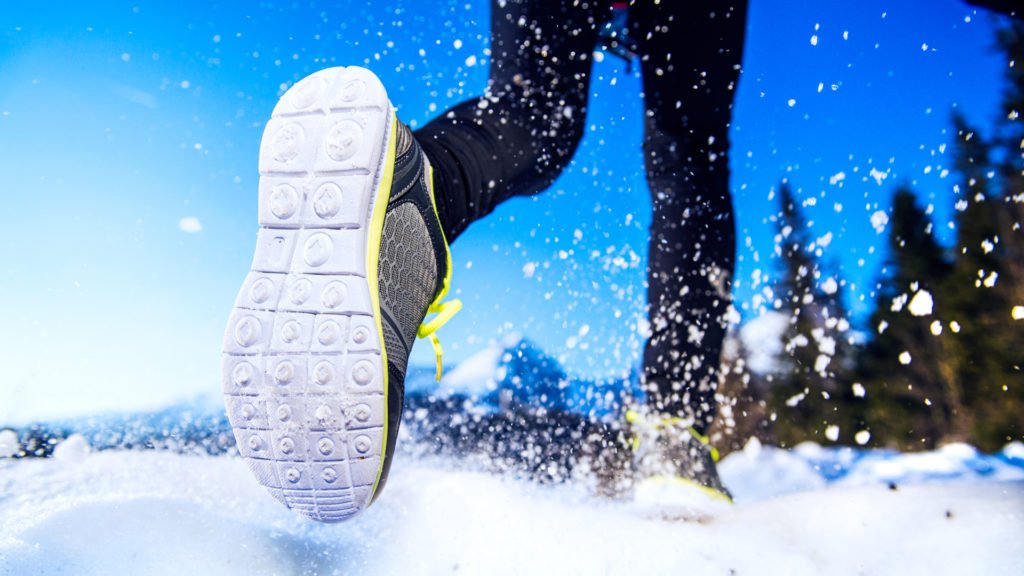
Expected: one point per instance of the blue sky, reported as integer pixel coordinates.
(118, 120)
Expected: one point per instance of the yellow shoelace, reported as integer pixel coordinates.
(444, 311)
(632, 416)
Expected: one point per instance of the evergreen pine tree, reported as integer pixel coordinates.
(967, 383)
(978, 292)
(1010, 136)
(912, 402)
(807, 398)
(987, 282)
(1005, 420)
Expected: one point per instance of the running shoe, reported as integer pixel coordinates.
(350, 258)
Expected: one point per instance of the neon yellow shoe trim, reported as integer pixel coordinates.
(372, 259)
(444, 310)
(679, 481)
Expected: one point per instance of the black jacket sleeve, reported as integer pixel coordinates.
(1007, 7)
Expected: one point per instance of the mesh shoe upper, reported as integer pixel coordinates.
(412, 266)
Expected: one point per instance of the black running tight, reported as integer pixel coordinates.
(517, 138)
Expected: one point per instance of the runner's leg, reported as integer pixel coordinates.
(518, 137)
(691, 57)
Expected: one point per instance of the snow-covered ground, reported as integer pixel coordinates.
(807, 511)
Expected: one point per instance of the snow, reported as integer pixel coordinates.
(921, 304)
(811, 510)
(830, 286)
(190, 224)
(879, 220)
(760, 473)
(1014, 451)
(762, 337)
(8, 443)
(72, 450)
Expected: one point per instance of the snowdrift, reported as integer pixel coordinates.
(156, 512)
(165, 493)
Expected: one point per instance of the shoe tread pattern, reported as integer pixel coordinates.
(302, 370)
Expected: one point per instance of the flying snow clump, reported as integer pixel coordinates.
(921, 304)
(190, 225)
(529, 269)
(8, 443)
(879, 220)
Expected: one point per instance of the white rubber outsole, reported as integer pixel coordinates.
(303, 373)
